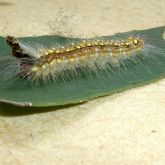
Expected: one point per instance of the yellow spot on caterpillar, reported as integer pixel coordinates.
(57, 51)
(78, 47)
(71, 59)
(115, 44)
(43, 66)
(89, 44)
(111, 43)
(135, 41)
(46, 53)
(68, 50)
(58, 61)
(61, 51)
(82, 45)
(34, 69)
(82, 57)
(122, 43)
(71, 48)
(95, 43)
(127, 43)
(50, 51)
(52, 62)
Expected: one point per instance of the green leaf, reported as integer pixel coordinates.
(77, 91)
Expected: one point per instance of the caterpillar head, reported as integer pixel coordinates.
(24, 52)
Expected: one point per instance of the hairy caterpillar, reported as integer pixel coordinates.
(44, 64)
(81, 69)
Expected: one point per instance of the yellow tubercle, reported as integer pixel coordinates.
(89, 44)
(34, 69)
(96, 43)
(46, 53)
(52, 62)
(135, 41)
(78, 47)
(50, 51)
(43, 66)
(71, 48)
(58, 61)
(57, 51)
(71, 59)
(82, 45)
(67, 50)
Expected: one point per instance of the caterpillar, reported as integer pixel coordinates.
(74, 70)
(43, 64)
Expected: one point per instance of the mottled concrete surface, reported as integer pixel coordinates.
(123, 129)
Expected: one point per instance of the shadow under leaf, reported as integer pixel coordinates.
(13, 110)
